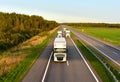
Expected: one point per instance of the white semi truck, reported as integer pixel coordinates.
(64, 29)
(59, 34)
(67, 33)
(60, 50)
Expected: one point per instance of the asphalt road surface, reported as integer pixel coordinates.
(36, 72)
(74, 70)
(108, 50)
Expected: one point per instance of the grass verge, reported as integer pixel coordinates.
(112, 66)
(95, 63)
(104, 34)
(16, 74)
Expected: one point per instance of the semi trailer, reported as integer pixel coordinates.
(60, 50)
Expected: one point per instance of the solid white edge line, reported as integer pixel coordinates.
(103, 53)
(115, 53)
(85, 61)
(102, 63)
(47, 67)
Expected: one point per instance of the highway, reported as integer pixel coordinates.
(36, 72)
(76, 69)
(108, 50)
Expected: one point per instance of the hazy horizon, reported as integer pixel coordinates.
(90, 11)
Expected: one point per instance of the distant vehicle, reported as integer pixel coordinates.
(64, 31)
(59, 34)
(60, 50)
(67, 33)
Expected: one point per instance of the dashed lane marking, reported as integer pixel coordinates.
(67, 63)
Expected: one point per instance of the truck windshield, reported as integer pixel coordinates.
(60, 50)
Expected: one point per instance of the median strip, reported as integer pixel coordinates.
(85, 62)
(95, 63)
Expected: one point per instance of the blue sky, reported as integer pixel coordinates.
(107, 11)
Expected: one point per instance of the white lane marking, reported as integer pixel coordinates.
(67, 63)
(85, 61)
(47, 67)
(115, 53)
(104, 54)
(101, 52)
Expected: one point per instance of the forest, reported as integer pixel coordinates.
(16, 28)
(94, 25)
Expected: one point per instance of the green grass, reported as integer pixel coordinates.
(95, 63)
(113, 67)
(20, 70)
(111, 35)
(107, 34)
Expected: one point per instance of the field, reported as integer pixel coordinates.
(111, 35)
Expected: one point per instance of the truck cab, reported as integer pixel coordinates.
(60, 55)
(67, 33)
(60, 51)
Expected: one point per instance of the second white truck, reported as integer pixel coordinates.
(59, 34)
(67, 33)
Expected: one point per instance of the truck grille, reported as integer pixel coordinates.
(59, 58)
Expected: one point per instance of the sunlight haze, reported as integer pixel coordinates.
(66, 10)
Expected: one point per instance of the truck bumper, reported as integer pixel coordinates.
(60, 57)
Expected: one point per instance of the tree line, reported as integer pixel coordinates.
(94, 25)
(16, 28)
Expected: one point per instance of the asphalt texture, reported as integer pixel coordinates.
(74, 70)
(36, 72)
